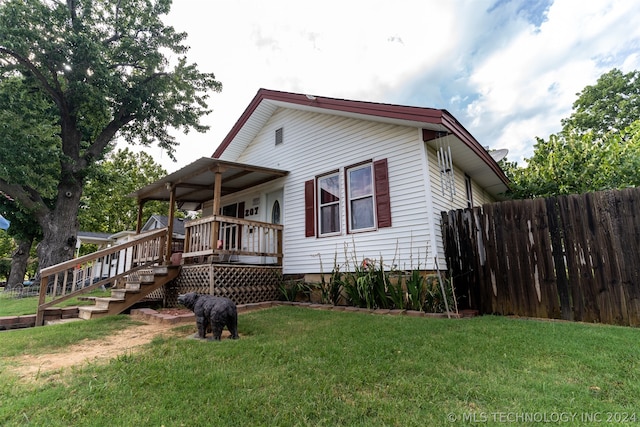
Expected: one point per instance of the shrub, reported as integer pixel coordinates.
(290, 289)
(367, 284)
(434, 302)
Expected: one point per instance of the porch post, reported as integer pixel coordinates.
(139, 220)
(217, 191)
(172, 210)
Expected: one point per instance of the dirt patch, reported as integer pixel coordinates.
(127, 341)
(175, 311)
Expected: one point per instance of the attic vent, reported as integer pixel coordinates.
(278, 136)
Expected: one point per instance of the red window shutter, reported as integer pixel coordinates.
(383, 202)
(240, 210)
(309, 209)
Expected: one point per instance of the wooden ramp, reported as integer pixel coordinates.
(137, 287)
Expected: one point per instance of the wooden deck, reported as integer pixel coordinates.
(225, 237)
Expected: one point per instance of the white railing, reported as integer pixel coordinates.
(229, 236)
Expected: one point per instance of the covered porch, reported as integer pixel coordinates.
(222, 255)
(215, 237)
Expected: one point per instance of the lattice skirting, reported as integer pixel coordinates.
(243, 284)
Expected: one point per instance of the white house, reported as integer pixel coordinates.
(348, 180)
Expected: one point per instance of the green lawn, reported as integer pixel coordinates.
(298, 366)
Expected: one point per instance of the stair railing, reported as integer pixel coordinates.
(66, 280)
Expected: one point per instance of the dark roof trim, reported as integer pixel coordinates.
(458, 130)
(374, 109)
(426, 115)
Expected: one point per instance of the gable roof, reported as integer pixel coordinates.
(95, 238)
(470, 155)
(161, 221)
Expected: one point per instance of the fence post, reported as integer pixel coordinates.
(558, 259)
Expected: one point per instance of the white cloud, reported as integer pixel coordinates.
(506, 79)
(530, 84)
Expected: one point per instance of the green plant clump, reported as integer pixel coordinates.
(370, 285)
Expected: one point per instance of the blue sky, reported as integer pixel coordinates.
(508, 70)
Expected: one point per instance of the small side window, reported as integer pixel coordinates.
(279, 136)
(469, 187)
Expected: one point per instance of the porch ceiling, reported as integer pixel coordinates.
(194, 183)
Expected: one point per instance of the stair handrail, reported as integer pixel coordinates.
(155, 239)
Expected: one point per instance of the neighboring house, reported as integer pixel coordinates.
(105, 240)
(159, 221)
(348, 180)
(101, 240)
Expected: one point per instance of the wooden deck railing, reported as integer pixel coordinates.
(234, 236)
(71, 278)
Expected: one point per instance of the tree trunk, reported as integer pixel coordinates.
(60, 227)
(19, 261)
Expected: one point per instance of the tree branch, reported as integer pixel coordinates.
(57, 96)
(153, 77)
(71, 5)
(116, 35)
(106, 136)
(28, 197)
(124, 64)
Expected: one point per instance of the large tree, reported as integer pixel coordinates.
(597, 149)
(108, 68)
(29, 143)
(610, 105)
(573, 163)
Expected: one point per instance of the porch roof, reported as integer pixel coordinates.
(194, 183)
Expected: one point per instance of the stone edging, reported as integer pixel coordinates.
(153, 316)
(147, 314)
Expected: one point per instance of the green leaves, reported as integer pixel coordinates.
(105, 206)
(598, 148)
(610, 105)
(574, 164)
(86, 72)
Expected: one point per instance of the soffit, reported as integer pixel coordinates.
(194, 183)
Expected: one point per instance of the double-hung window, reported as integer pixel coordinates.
(329, 203)
(360, 195)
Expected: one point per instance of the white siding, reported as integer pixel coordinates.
(480, 196)
(446, 203)
(315, 144)
(318, 143)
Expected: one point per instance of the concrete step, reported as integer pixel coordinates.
(104, 302)
(86, 312)
(147, 278)
(160, 270)
(133, 286)
(137, 286)
(118, 293)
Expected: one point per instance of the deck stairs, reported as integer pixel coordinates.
(137, 287)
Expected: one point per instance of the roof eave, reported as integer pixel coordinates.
(409, 115)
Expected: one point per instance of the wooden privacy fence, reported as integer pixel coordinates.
(573, 257)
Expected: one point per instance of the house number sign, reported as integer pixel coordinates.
(252, 211)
